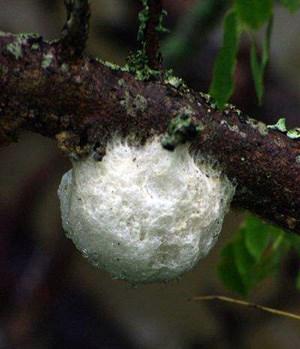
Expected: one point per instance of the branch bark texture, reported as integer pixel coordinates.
(83, 102)
(76, 29)
(150, 37)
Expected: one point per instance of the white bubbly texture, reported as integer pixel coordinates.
(144, 214)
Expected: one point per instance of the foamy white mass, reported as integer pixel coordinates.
(143, 213)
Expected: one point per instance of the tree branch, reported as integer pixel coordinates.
(150, 19)
(76, 29)
(83, 103)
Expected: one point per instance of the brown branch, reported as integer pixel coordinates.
(84, 102)
(150, 21)
(76, 29)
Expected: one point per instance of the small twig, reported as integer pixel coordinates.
(76, 29)
(150, 23)
(248, 304)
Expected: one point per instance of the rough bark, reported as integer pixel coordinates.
(83, 102)
(76, 29)
(151, 34)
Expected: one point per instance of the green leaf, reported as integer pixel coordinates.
(254, 254)
(256, 237)
(229, 273)
(222, 84)
(294, 241)
(258, 67)
(254, 13)
(292, 5)
(298, 280)
(243, 258)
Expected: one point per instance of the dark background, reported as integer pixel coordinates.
(50, 296)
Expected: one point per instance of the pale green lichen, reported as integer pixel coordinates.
(64, 68)
(227, 110)
(146, 73)
(180, 130)
(259, 126)
(160, 27)
(133, 105)
(209, 100)
(234, 128)
(173, 81)
(138, 65)
(140, 103)
(111, 65)
(35, 47)
(143, 18)
(47, 60)
(186, 110)
(279, 126)
(262, 128)
(15, 47)
(230, 108)
(206, 97)
(121, 82)
(27, 36)
(294, 133)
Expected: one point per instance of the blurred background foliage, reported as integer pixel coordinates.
(52, 298)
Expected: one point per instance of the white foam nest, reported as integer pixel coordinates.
(144, 214)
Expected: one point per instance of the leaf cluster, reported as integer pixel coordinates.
(254, 254)
(245, 16)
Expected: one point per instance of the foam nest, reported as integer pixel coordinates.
(143, 213)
